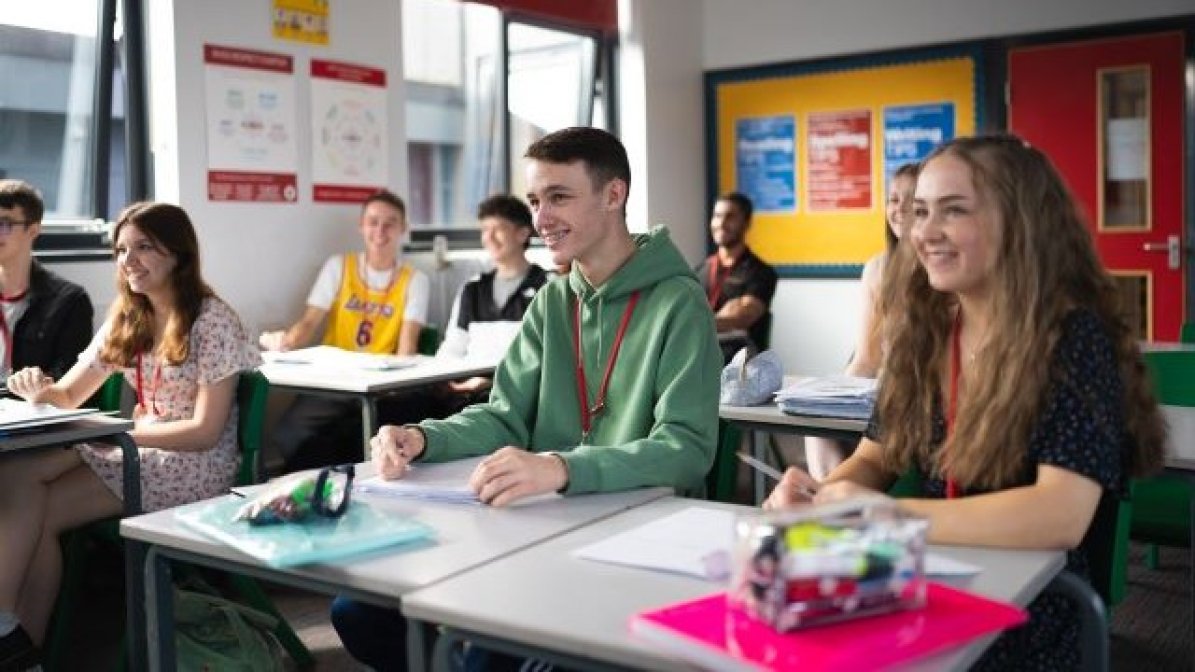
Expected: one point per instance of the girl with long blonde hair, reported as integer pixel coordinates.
(1012, 384)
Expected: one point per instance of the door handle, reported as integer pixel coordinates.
(1171, 247)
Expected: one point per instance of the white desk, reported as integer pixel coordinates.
(466, 536)
(367, 385)
(770, 419)
(576, 612)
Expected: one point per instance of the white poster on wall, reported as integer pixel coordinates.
(349, 144)
(251, 143)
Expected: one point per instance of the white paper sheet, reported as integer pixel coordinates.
(695, 541)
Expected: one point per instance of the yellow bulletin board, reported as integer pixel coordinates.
(807, 225)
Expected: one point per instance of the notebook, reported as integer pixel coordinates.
(698, 631)
(437, 481)
(362, 528)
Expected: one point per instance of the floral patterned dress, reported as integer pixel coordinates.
(220, 347)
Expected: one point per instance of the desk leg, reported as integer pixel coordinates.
(135, 624)
(369, 421)
(132, 474)
(421, 646)
(759, 451)
(160, 613)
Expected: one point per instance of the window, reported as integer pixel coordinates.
(464, 142)
(50, 133)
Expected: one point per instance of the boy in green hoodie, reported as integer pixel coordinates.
(611, 384)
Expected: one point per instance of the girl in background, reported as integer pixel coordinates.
(822, 455)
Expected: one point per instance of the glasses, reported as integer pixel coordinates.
(332, 489)
(7, 225)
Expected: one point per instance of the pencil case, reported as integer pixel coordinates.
(828, 563)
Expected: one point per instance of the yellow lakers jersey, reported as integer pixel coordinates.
(363, 319)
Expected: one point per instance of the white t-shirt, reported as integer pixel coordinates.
(487, 340)
(327, 285)
(13, 311)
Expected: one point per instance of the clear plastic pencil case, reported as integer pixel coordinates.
(821, 564)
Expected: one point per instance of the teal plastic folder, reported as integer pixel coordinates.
(362, 528)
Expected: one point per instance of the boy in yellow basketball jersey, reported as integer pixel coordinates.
(373, 302)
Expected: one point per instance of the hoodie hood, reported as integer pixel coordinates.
(655, 259)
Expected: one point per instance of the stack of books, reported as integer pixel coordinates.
(838, 396)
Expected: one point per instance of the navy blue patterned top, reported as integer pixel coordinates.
(1081, 429)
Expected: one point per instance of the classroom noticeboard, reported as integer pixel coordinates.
(815, 149)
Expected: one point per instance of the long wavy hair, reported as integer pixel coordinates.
(132, 316)
(1046, 267)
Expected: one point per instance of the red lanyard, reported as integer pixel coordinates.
(588, 413)
(6, 332)
(717, 278)
(956, 357)
(153, 393)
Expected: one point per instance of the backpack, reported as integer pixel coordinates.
(213, 633)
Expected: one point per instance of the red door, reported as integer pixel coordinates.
(1109, 113)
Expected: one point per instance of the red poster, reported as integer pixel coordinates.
(231, 185)
(839, 161)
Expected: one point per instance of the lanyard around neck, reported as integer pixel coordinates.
(6, 331)
(718, 278)
(588, 413)
(153, 392)
(956, 359)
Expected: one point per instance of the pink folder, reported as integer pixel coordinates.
(700, 631)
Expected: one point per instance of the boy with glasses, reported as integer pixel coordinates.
(45, 321)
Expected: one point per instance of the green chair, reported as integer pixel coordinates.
(1162, 504)
(429, 340)
(252, 393)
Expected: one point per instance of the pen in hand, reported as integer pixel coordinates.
(775, 474)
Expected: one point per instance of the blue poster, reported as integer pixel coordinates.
(911, 132)
(766, 162)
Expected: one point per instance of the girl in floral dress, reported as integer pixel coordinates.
(180, 347)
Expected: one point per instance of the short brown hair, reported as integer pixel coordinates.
(603, 154)
(389, 198)
(21, 194)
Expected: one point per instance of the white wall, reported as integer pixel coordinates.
(815, 321)
(773, 31)
(262, 258)
(659, 88)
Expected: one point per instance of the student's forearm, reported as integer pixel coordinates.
(182, 435)
(863, 470)
(298, 336)
(1015, 518)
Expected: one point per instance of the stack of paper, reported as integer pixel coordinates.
(443, 482)
(838, 396)
(17, 414)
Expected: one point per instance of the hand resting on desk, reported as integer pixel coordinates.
(508, 475)
(31, 384)
(793, 488)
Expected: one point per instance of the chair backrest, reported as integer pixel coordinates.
(1107, 547)
(1187, 335)
(252, 392)
(108, 398)
(429, 340)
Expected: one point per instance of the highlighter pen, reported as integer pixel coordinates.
(770, 471)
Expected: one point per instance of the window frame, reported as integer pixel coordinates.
(601, 82)
(87, 238)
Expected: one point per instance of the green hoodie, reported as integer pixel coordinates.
(660, 422)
